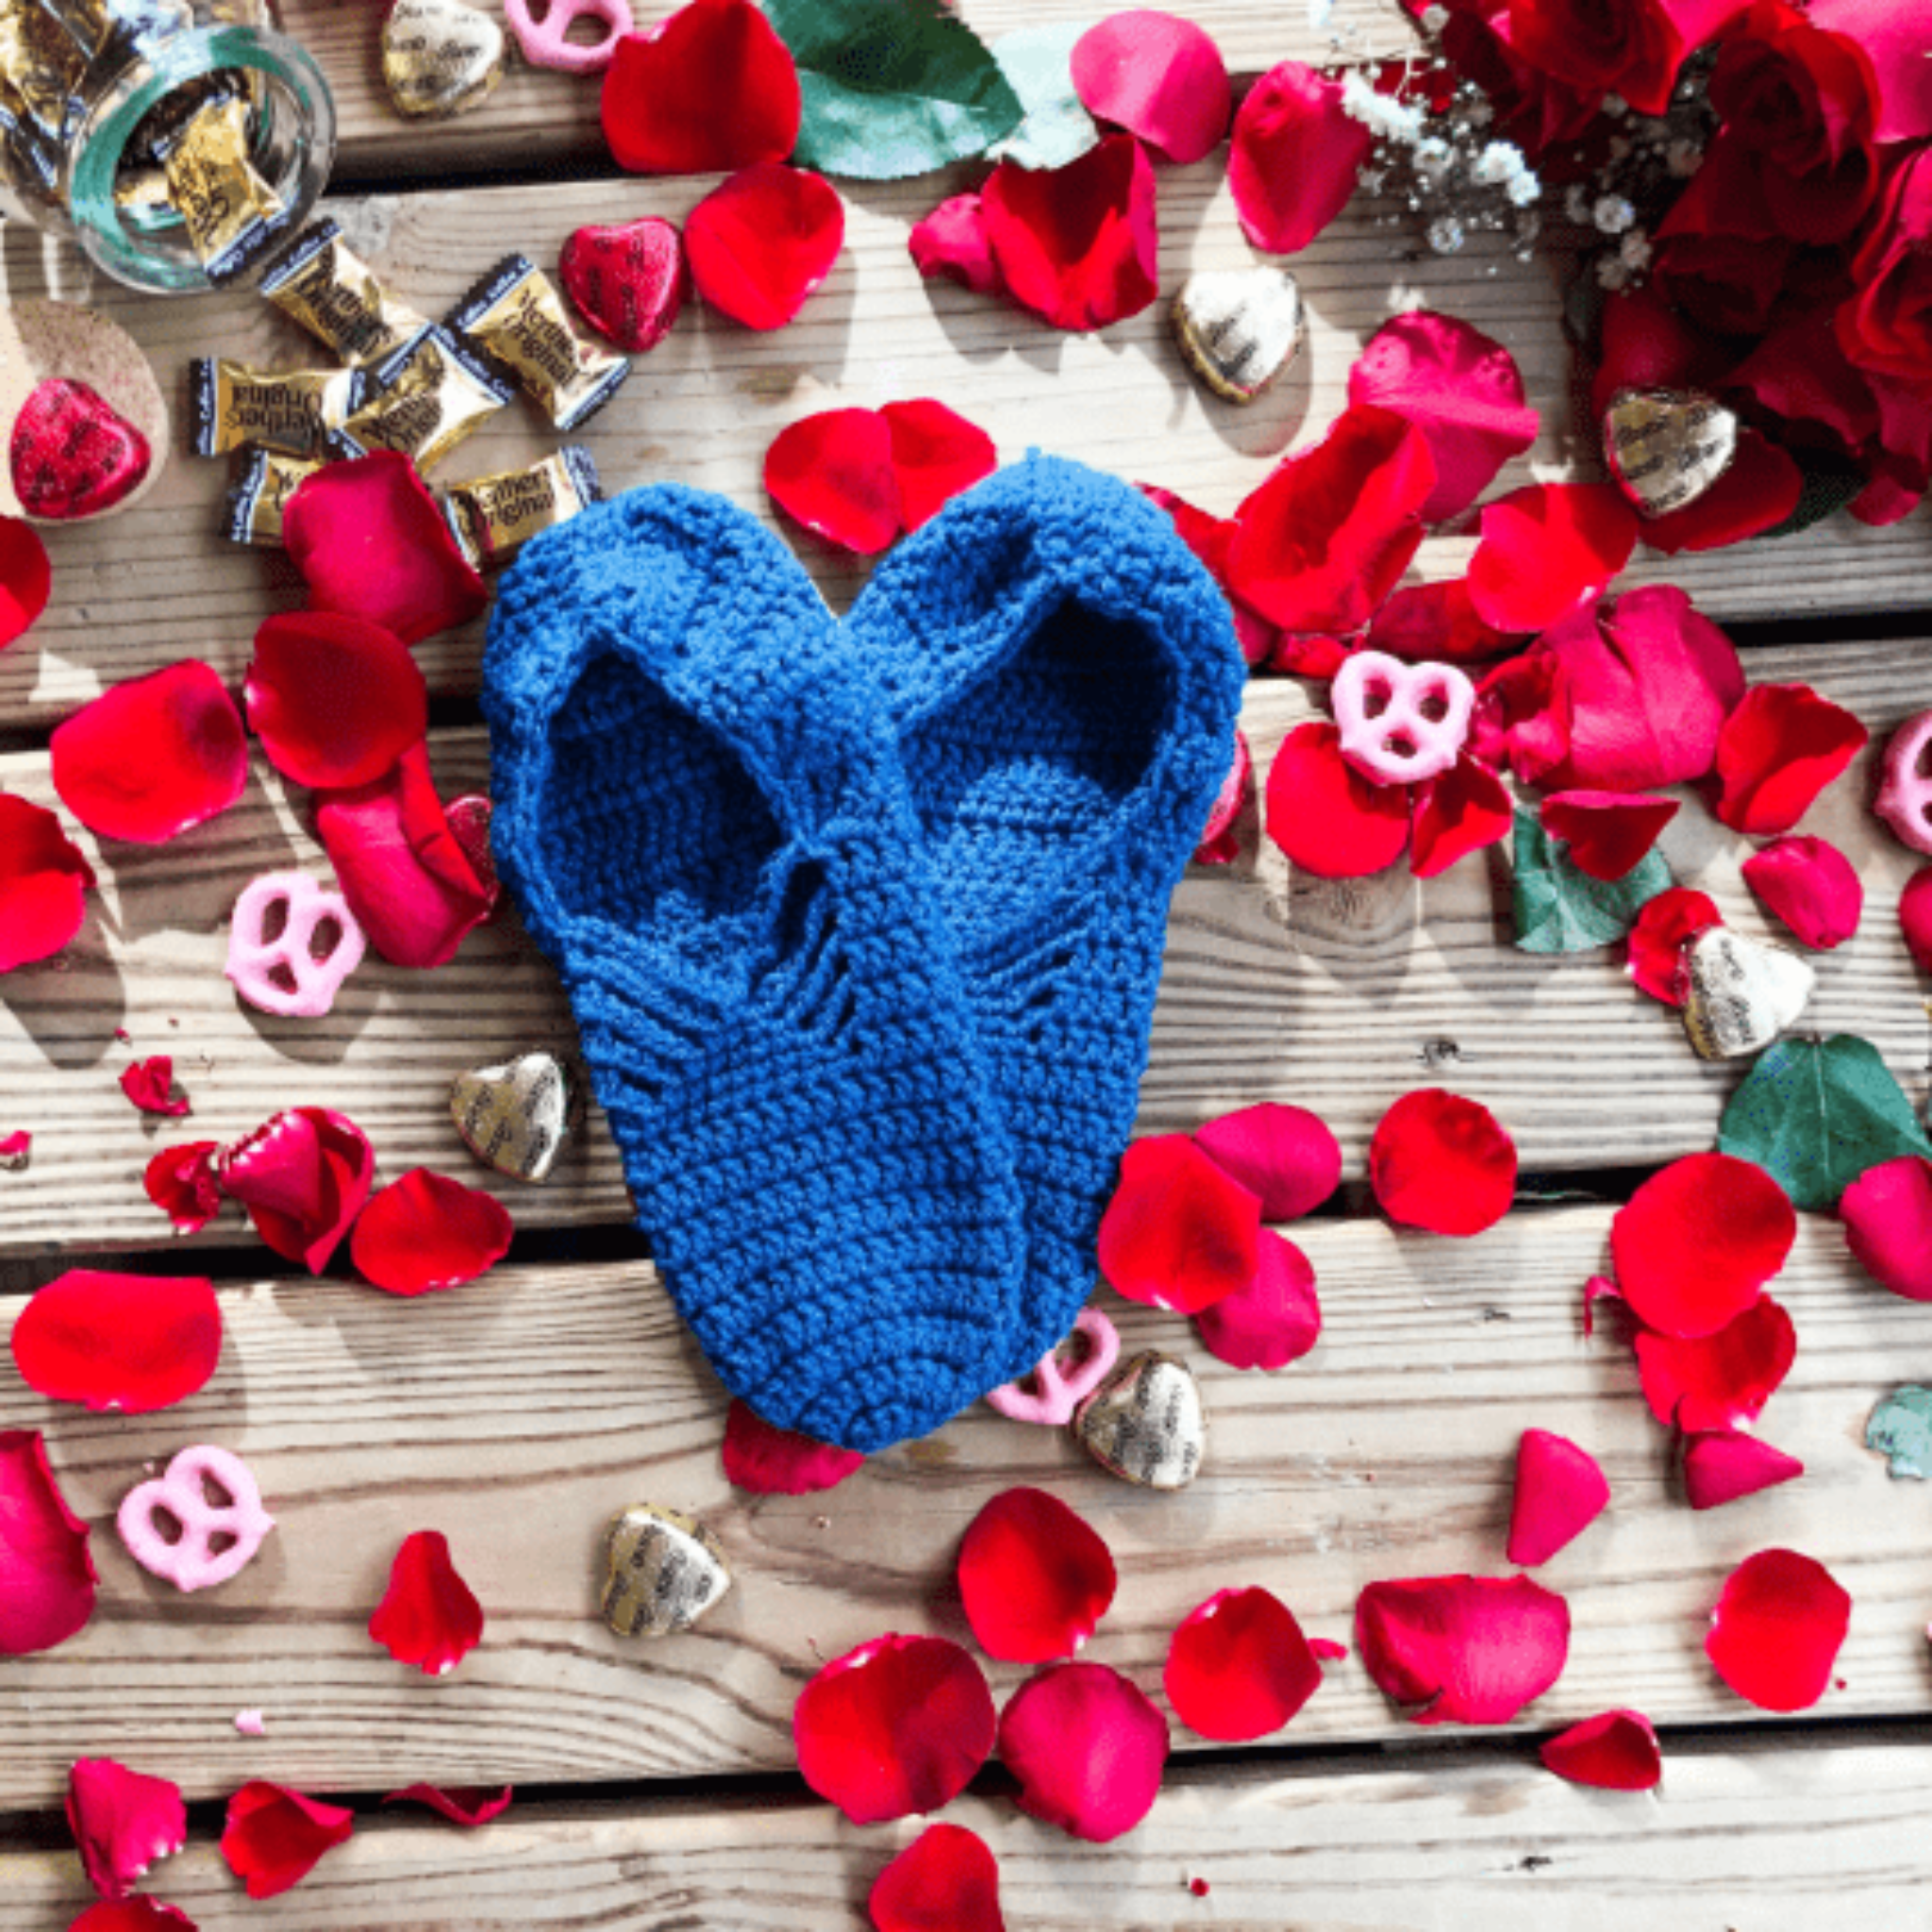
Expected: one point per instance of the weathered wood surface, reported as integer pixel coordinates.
(1337, 996)
(1748, 1840)
(517, 1414)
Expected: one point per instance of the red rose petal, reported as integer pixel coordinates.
(1180, 1232)
(1035, 1577)
(151, 757)
(1560, 1491)
(1295, 157)
(1077, 244)
(122, 1821)
(1325, 1650)
(770, 1461)
(1469, 1650)
(370, 543)
(1220, 840)
(401, 867)
(1615, 1752)
(1160, 78)
(1464, 810)
(274, 1835)
(1697, 1242)
(303, 1175)
(946, 1880)
(1776, 1630)
(900, 1724)
(1441, 1162)
(1882, 501)
(1656, 940)
(1811, 886)
(132, 1915)
(1087, 1749)
(1721, 1467)
(1521, 721)
(1915, 917)
(1777, 751)
(426, 1232)
(1435, 624)
(1609, 833)
(148, 1083)
(1757, 494)
(1322, 542)
(26, 579)
(1460, 388)
(1210, 539)
(1272, 1319)
(1238, 1667)
(936, 454)
(1599, 1288)
(1286, 1154)
(16, 1149)
(760, 244)
(335, 700)
(952, 241)
(1325, 815)
(1718, 1381)
(1887, 1217)
(428, 1617)
(46, 1575)
(182, 1183)
(1544, 549)
(466, 1805)
(132, 1343)
(833, 473)
(43, 875)
(710, 89)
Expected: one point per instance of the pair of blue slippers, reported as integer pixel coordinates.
(862, 921)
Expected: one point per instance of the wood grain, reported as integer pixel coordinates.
(518, 1414)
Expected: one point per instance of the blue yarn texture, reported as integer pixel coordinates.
(861, 923)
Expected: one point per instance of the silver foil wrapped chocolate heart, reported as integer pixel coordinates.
(1739, 994)
(663, 1570)
(441, 57)
(1667, 447)
(1146, 1423)
(516, 1117)
(1238, 328)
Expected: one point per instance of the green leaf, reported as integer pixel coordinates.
(1039, 61)
(892, 88)
(1562, 909)
(1900, 1429)
(1814, 1114)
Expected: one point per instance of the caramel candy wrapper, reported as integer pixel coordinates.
(515, 316)
(264, 481)
(430, 394)
(323, 284)
(233, 217)
(291, 410)
(492, 516)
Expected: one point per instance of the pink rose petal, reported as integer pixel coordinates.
(945, 1880)
(1271, 1321)
(1616, 1752)
(1811, 886)
(1726, 1464)
(1088, 1748)
(1560, 1491)
(303, 1175)
(1159, 78)
(1467, 1650)
(1295, 159)
(1887, 1217)
(46, 1574)
(1285, 1155)
(122, 1821)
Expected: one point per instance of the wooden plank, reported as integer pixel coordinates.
(159, 584)
(1336, 996)
(518, 1413)
(1758, 1840)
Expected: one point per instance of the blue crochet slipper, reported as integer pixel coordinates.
(698, 809)
(1064, 680)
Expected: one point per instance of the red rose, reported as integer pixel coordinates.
(1885, 327)
(1719, 256)
(1535, 112)
(1628, 47)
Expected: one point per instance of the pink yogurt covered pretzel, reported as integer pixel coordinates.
(191, 1560)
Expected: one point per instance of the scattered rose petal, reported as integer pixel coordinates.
(1087, 1749)
(1035, 1577)
(1159, 78)
(1811, 886)
(426, 1232)
(1545, 549)
(138, 1914)
(1272, 1319)
(1441, 1162)
(132, 1343)
(1694, 1245)
(1915, 917)
(1887, 1217)
(1295, 157)
(182, 1183)
(1285, 1155)
(1718, 1381)
(1328, 818)
(274, 1835)
(1238, 1667)
(1599, 1288)
(1522, 722)
(147, 1084)
(151, 757)
(952, 241)
(46, 1574)
(370, 543)
(1464, 810)
(900, 1724)
(1778, 750)
(1211, 538)
(1615, 1752)
(1468, 1650)
(1325, 1650)
(1077, 244)
(122, 1821)
(1776, 1630)
(1656, 940)
(43, 875)
(936, 454)
(466, 1805)
(428, 1617)
(760, 244)
(1560, 1491)
(16, 1150)
(1435, 624)
(303, 1175)
(1221, 842)
(26, 579)
(1607, 833)
(1726, 1464)
(767, 1460)
(335, 700)
(946, 1880)
(833, 473)
(1180, 1231)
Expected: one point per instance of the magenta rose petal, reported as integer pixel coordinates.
(466, 1805)
(428, 1617)
(1887, 1217)
(1286, 1154)
(1615, 1752)
(131, 1342)
(1811, 886)
(1296, 157)
(46, 1574)
(426, 1232)
(303, 1175)
(274, 1835)
(946, 1880)
(148, 1085)
(1778, 1629)
(1180, 1232)
(182, 1182)
(1726, 1464)
(1158, 78)
(766, 1460)
(335, 700)
(1035, 1577)
(1274, 1319)
(1238, 1667)
(1088, 1748)
(122, 1821)
(1560, 1491)
(1656, 940)
(137, 1914)
(1468, 1650)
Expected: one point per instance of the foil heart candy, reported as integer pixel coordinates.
(441, 57)
(663, 1570)
(72, 456)
(1238, 328)
(1146, 1423)
(1667, 447)
(1740, 995)
(516, 1117)
(1905, 797)
(630, 282)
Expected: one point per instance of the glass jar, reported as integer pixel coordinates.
(90, 90)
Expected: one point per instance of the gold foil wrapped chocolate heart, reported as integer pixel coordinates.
(1739, 994)
(663, 1570)
(1667, 447)
(1238, 328)
(1146, 1423)
(441, 57)
(516, 1117)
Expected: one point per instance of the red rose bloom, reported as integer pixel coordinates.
(1628, 47)
(1885, 327)
(1543, 116)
